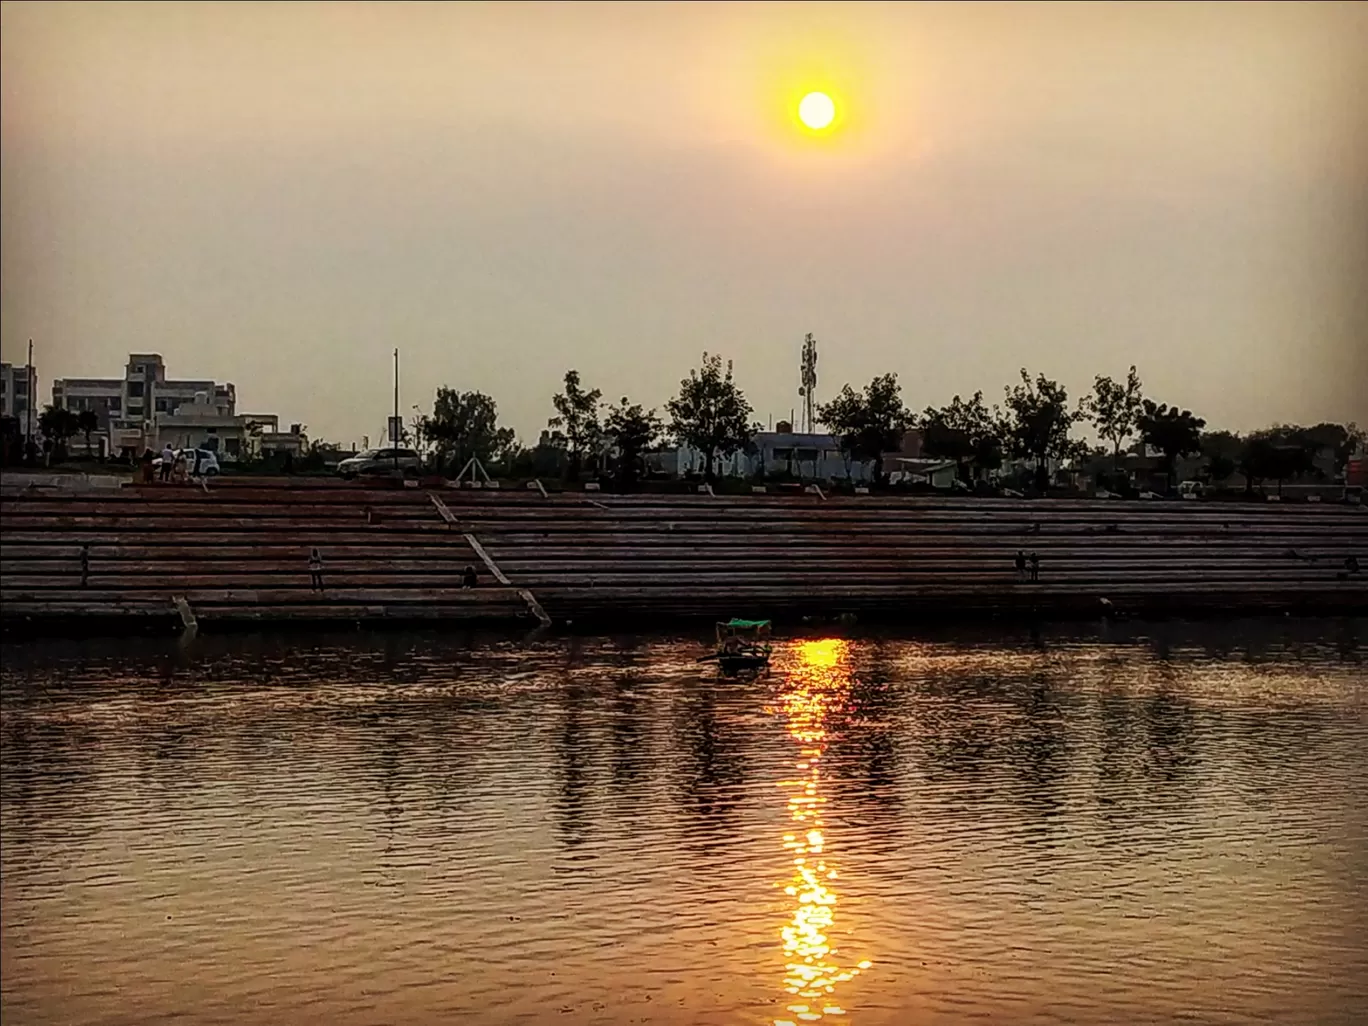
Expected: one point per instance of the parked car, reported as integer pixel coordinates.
(198, 462)
(381, 461)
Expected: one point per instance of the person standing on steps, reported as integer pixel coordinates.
(315, 570)
(1021, 565)
(168, 457)
(469, 579)
(85, 565)
(1035, 566)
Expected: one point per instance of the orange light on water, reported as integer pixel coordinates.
(817, 684)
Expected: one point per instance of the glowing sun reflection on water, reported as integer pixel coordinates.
(816, 685)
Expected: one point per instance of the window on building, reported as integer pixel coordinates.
(115, 403)
(21, 386)
(232, 446)
(161, 405)
(135, 410)
(135, 388)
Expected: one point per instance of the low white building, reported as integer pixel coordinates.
(934, 472)
(804, 456)
(242, 436)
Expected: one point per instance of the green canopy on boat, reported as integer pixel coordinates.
(746, 624)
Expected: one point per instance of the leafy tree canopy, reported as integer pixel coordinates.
(1039, 422)
(632, 432)
(710, 413)
(1114, 409)
(465, 425)
(870, 423)
(969, 433)
(577, 418)
(1172, 431)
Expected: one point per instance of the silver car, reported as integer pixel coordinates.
(381, 461)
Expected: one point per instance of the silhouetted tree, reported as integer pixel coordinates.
(57, 425)
(632, 431)
(1222, 450)
(967, 432)
(577, 415)
(465, 425)
(1040, 423)
(1172, 431)
(1114, 410)
(1338, 441)
(89, 422)
(868, 424)
(1219, 468)
(1282, 452)
(710, 413)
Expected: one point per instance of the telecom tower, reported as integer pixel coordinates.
(808, 389)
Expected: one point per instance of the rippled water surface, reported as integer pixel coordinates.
(1162, 824)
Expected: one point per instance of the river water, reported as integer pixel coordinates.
(1161, 823)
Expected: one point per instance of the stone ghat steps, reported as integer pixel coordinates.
(553, 512)
(212, 605)
(392, 588)
(723, 557)
(360, 610)
(510, 504)
(624, 543)
(239, 562)
(240, 553)
(286, 545)
(1194, 558)
(618, 606)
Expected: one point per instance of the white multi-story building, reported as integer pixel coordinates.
(131, 408)
(17, 394)
(147, 410)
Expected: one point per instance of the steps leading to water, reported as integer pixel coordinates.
(240, 553)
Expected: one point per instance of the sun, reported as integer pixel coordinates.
(817, 111)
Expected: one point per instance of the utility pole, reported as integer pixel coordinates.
(28, 407)
(395, 429)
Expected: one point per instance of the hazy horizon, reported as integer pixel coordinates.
(278, 196)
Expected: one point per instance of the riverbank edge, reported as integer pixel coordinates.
(1006, 608)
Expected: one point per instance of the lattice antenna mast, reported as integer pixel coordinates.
(808, 389)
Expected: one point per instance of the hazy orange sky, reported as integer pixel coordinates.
(279, 195)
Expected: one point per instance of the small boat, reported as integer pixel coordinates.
(742, 645)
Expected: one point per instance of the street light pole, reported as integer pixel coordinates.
(28, 407)
(395, 431)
